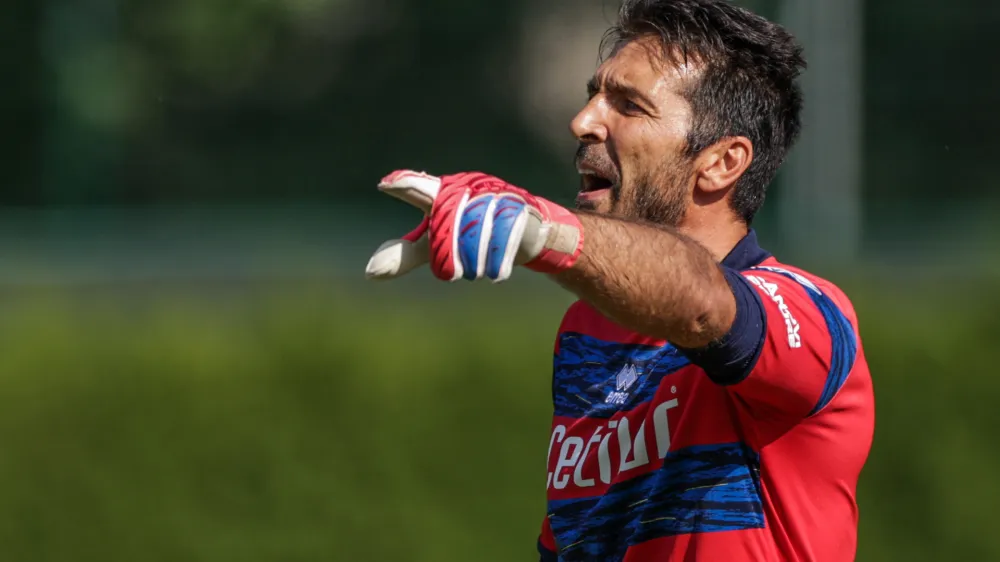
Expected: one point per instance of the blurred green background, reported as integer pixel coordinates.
(193, 368)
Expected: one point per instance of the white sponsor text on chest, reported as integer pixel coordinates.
(632, 451)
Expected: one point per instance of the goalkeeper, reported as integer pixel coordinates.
(710, 403)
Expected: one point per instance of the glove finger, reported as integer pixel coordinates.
(474, 235)
(508, 228)
(416, 188)
(396, 258)
(517, 233)
(445, 226)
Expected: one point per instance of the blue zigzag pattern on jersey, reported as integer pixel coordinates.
(586, 370)
(699, 489)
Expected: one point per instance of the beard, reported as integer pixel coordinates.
(659, 197)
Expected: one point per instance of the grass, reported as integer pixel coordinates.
(303, 422)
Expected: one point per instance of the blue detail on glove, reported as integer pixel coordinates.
(470, 234)
(508, 209)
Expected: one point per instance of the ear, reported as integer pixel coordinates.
(722, 164)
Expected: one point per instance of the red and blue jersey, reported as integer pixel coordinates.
(747, 450)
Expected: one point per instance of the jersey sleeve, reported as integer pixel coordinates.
(547, 544)
(791, 346)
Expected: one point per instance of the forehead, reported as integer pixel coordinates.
(641, 64)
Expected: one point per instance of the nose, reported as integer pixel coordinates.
(589, 126)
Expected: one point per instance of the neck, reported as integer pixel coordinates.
(718, 239)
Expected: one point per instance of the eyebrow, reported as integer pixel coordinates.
(618, 88)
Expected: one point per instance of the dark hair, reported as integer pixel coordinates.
(747, 86)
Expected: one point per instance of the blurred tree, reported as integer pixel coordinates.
(20, 101)
(155, 101)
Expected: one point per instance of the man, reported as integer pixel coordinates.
(710, 403)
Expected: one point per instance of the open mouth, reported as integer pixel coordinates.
(592, 181)
(595, 185)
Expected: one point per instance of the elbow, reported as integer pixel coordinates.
(708, 327)
(708, 320)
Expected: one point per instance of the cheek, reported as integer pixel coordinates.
(645, 148)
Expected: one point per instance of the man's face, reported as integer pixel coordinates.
(632, 135)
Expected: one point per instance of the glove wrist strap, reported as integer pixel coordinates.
(564, 239)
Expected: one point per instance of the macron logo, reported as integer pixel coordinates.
(625, 379)
(794, 339)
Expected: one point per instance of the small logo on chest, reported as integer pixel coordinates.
(625, 379)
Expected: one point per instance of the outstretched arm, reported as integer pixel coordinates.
(651, 280)
(647, 278)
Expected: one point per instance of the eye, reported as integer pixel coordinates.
(630, 107)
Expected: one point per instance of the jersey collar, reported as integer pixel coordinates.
(746, 254)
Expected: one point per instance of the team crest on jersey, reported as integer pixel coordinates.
(624, 381)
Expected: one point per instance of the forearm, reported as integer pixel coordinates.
(651, 280)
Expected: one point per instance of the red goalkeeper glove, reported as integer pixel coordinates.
(476, 226)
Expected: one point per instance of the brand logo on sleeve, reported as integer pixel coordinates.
(792, 325)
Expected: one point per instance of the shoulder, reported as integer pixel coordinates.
(771, 276)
